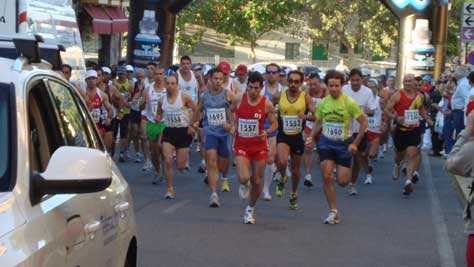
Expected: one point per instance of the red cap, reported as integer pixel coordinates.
(225, 67)
(241, 70)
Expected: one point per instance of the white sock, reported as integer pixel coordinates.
(267, 178)
(203, 162)
(249, 209)
(214, 194)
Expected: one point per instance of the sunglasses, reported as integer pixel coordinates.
(290, 81)
(272, 72)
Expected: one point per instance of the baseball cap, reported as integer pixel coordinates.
(225, 67)
(106, 70)
(90, 74)
(129, 68)
(427, 78)
(241, 70)
(121, 70)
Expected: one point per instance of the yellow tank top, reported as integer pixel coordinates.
(289, 122)
(123, 87)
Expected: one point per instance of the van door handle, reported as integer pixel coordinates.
(91, 228)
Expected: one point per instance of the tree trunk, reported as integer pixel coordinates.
(253, 44)
(351, 55)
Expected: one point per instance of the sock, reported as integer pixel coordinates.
(249, 209)
(267, 178)
(214, 194)
(203, 162)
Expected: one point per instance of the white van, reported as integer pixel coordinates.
(54, 20)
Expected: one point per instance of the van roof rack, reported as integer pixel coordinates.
(34, 49)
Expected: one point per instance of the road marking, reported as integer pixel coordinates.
(445, 250)
(176, 206)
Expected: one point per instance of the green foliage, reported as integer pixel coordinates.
(454, 28)
(243, 21)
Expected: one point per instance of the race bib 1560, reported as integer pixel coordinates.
(248, 128)
(333, 131)
(292, 124)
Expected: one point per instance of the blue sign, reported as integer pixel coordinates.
(471, 57)
(418, 5)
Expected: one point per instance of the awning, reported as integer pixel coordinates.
(101, 23)
(119, 20)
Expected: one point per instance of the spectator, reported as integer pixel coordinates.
(435, 97)
(448, 126)
(460, 98)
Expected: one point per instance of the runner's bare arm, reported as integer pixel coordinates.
(237, 87)
(389, 109)
(426, 116)
(318, 124)
(189, 103)
(270, 111)
(235, 104)
(275, 99)
(145, 98)
(159, 111)
(310, 104)
(363, 127)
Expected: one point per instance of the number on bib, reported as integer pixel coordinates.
(248, 128)
(374, 124)
(292, 124)
(216, 116)
(412, 117)
(333, 131)
(95, 115)
(174, 120)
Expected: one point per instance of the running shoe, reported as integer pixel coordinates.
(404, 171)
(276, 176)
(244, 191)
(121, 157)
(214, 201)
(368, 179)
(202, 169)
(248, 216)
(225, 185)
(170, 194)
(308, 181)
(293, 201)
(157, 178)
(267, 196)
(408, 188)
(198, 147)
(147, 166)
(352, 189)
(333, 217)
(138, 158)
(206, 180)
(280, 188)
(384, 149)
(396, 172)
(416, 177)
(186, 167)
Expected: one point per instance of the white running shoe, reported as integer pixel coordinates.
(267, 196)
(396, 172)
(138, 158)
(277, 176)
(198, 147)
(214, 201)
(352, 189)
(308, 182)
(248, 217)
(244, 191)
(147, 166)
(408, 188)
(385, 148)
(333, 217)
(170, 194)
(368, 179)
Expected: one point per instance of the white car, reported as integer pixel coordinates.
(63, 201)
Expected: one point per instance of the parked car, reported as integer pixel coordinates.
(63, 201)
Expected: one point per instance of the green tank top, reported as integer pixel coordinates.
(123, 88)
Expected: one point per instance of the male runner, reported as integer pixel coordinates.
(405, 107)
(250, 146)
(135, 120)
(292, 105)
(317, 94)
(123, 114)
(100, 109)
(179, 131)
(153, 128)
(150, 70)
(217, 125)
(334, 117)
(365, 99)
(271, 87)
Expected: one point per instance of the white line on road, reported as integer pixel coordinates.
(176, 206)
(445, 250)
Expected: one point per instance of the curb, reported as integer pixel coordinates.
(462, 185)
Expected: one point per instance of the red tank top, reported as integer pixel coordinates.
(250, 122)
(404, 104)
(96, 112)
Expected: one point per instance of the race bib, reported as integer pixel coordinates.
(292, 124)
(333, 131)
(174, 119)
(95, 115)
(248, 128)
(154, 106)
(374, 124)
(412, 117)
(216, 116)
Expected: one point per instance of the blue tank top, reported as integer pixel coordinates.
(267, 124)
(214, 116)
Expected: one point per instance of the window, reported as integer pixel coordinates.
(78, 128)
(7, 134)
(320, 52)
(292, 51)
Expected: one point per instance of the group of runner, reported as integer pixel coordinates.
(270, 128)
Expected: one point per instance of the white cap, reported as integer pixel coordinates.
(129, 68)
(365, 72)
(107, 70)
(91, 73)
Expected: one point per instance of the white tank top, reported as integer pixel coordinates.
(316, 100)
(152, 105)
(175, 115)
(375, 121)
(189, 87)
(230, 86)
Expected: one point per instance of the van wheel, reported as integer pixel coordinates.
(131, 260)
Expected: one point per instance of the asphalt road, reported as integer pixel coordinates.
(379, 227)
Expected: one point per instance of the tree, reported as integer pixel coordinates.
(365, 22)
(243, 21)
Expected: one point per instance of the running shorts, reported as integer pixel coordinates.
(404, 139)
(251, 154)
(135, 116)
(112, 127)
(219, 143)
(371, 136)
(177, 137)
(363, 143)
(336, 151)
(295, 142)
(153, 130)
(123, 125)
